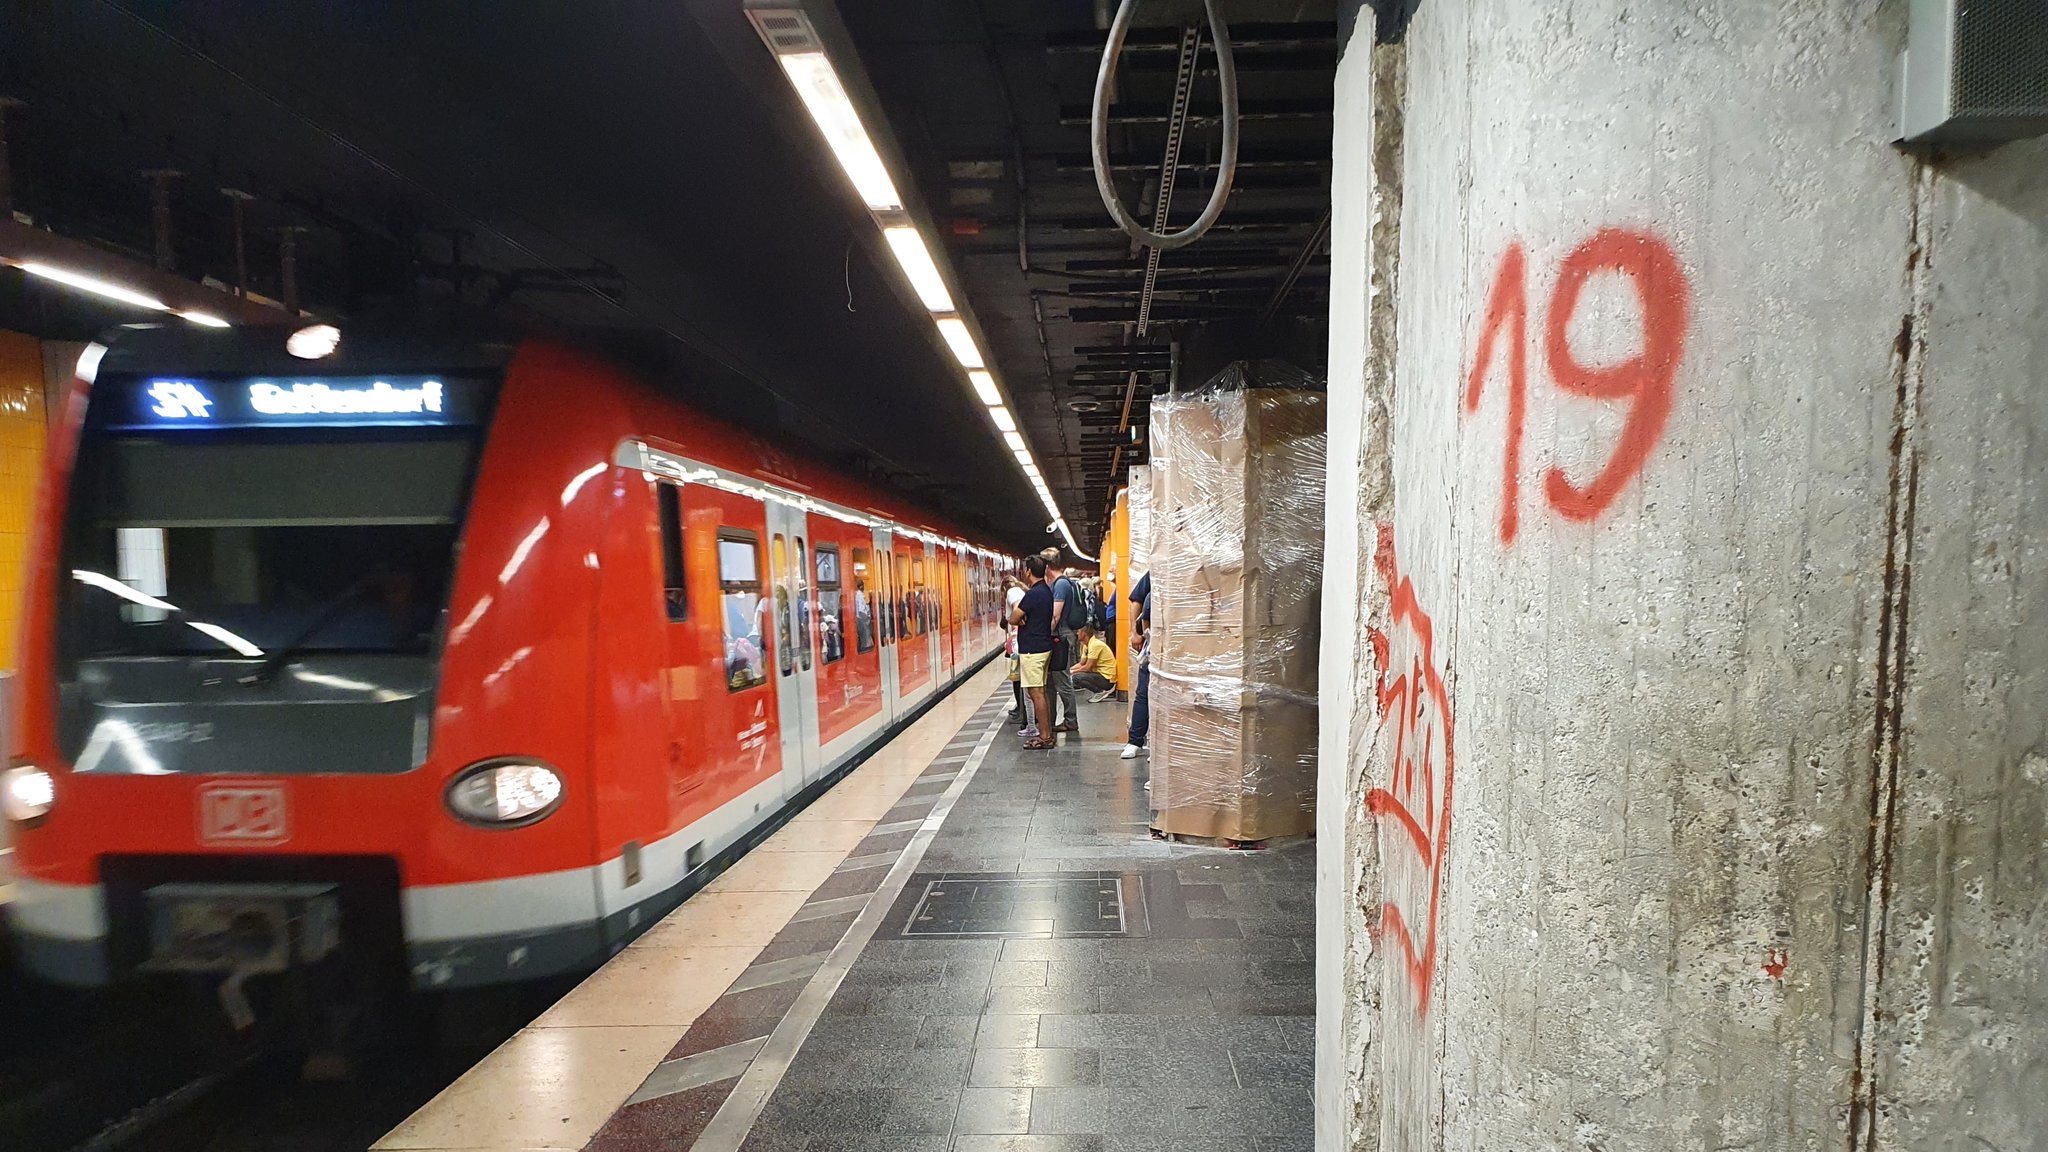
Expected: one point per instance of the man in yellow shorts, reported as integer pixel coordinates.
(1033, 619)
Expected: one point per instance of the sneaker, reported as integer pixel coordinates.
(1099, 697)
(1130, 752)
(1030, 733)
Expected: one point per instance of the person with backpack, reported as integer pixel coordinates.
(1069, 616)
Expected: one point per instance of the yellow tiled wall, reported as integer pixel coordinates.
(22, 428)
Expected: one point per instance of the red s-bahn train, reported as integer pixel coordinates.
(484, 652)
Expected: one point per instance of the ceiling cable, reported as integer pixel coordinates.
(1098, 132)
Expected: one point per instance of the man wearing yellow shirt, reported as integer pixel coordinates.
(1094, 666)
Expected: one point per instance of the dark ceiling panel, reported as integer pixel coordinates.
(1052, 279)
(642, 178)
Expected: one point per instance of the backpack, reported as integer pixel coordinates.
(1096, 619)
(1075, 615)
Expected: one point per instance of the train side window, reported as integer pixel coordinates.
(831, 622)
(922, 612)
(863, 605)
(674, 593)
(785, 632)
(803, 604)
(739, 584)
(887, 613)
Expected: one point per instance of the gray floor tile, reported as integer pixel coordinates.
(1021, 1030)
(920, 1108)
(1061, 1000)
(1098, 1031)
(948, 1031)
(984, 1110)
(1034, 1068)
(977, 1143)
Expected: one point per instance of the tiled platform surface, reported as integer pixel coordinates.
(1047, 979)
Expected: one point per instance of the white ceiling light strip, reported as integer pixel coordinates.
(108, 290)
(787, 30)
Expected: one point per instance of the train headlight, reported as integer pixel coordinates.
(27, 794)
(505, 793)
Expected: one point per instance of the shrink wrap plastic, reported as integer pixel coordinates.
(1237, 555)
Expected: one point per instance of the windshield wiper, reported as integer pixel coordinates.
(326, 614)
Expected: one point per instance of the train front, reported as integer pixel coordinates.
(236, 616)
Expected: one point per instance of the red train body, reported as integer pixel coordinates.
(245, 720)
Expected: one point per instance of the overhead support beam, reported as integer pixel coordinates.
(1170, 313)
(1149, 113)
(1269, 158)
(1246, 38)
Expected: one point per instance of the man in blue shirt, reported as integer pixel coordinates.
(1034, 623)
(1064, 593)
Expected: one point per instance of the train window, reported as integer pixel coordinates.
(831, 624)
(803, 604)
(919, 597)
(673, 592)
(863, 609)
(785, 634)
(739, 582)
(885, 590)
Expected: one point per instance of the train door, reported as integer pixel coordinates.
(881, 595)
(796, 673)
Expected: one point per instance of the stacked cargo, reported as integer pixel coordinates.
(1236, 554)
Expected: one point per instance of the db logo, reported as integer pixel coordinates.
(243, 814)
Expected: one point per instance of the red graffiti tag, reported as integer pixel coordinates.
(1413, 810)
(1644, 380)
(1776, 960)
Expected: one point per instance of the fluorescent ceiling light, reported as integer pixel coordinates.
(204, 320)
(1023, 455)
(985, 387)
(96, 287)
(1001, 416)
(1014, 440)
(955, 331)
(916, 261)
(824, 97)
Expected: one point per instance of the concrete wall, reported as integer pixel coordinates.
(1698, 773)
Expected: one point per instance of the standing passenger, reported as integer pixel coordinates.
(1033, 619)
(1066, 599)
(1141, 651)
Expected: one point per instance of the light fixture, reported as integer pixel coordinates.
(203, 319)
(314, 341)
(95, 286)
(961, 341)
(916, 261)
(826, 92)
(817, 85)
(985, 387)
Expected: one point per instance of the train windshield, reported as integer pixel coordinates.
(264, 519)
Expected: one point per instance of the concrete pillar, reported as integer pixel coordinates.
(1698, 753)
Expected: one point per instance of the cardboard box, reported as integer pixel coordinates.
(1236, 550)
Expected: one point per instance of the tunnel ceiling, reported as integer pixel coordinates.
(639, 175)
(989, 101)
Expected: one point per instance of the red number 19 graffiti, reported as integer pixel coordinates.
(1643, 380)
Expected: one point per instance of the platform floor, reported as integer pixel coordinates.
(964, 946)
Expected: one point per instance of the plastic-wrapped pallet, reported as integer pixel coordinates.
(1236, 553)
